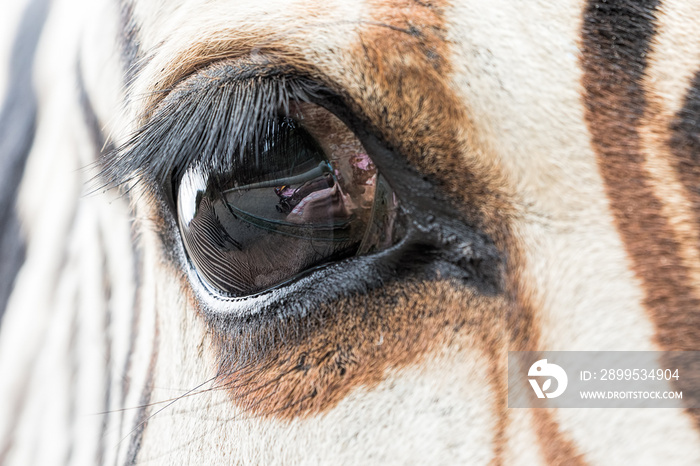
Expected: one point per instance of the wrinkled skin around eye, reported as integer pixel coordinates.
(314, 197)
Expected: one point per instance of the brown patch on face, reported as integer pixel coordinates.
(311, 365)
(398, 77)
(616, 40)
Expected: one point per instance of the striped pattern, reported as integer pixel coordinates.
(548, 157)
(617, 110)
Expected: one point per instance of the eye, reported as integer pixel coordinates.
(305, 194)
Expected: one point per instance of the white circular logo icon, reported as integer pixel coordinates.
(543, 369)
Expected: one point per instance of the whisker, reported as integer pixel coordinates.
(142, 423)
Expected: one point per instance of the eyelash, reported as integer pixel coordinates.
(229, 105)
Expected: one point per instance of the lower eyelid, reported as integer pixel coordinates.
(299, 296)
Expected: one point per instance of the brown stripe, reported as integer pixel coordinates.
(616, 40)
(556, 447)
(499, 388)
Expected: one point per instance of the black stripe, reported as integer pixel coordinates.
(74, 359)
(99, 143)
(144, 411)
(132, 61)
(685, 147)
(17, 128)
(92, 122)
(129, 41)
(685, 144)
(617, 37)
(133, 333)
(109, 359)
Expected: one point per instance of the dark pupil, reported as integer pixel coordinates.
(284, 209)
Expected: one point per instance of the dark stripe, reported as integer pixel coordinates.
(616, 36)
(17, 127)
(129, 41)
(99, 143)
(107, 334)
(74, 358)
(144, 411)
(92, 122)
(133, 333)
(685, 145)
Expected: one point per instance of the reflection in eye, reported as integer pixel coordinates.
(312, 197)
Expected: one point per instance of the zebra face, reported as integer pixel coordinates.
(310, 232)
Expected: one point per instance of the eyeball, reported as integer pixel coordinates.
(305, 195)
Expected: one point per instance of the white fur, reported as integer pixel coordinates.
(516, 68)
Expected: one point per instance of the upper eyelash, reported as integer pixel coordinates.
(210, 119)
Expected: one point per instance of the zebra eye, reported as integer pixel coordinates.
(306, 194)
